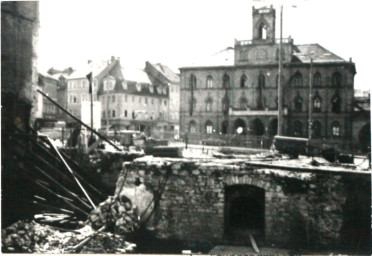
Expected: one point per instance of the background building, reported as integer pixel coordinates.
(162, 74)
(133, 99)
(237, 88)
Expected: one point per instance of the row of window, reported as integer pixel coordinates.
(317, 103)
(298, 128)
(295, 80)
(73, 98)
(298, 102)
(110, 82)
(141, 99)
(80, 84)
(112, 113)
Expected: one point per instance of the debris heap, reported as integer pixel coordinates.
(32, 237)
(117, 214)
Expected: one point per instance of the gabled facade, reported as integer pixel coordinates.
(132, 99)
(237, 88)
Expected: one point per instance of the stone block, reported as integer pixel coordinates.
(195, 172)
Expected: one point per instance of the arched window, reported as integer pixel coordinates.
(225, 104)
(336, 103)
(298, 103)
(317, 103)
(192, 126)
(208, 127)
(226, 81)
(316, 129)
(243, 81)
(317, 79)
(297, 128)
(262, 31)
(335, 129)
(243, 103)
(261, 81)
(336, 79)
(297, 80)
(192, 82)
(209, 82)
(192, 104)
(208, 104)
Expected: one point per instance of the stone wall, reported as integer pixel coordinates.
(301, 209)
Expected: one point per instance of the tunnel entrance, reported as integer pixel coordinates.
(244, 213)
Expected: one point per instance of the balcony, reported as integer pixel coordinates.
(288, 40)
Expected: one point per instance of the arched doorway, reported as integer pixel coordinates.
(225, 126)
(239, 125)
(244, 212)
(257, 127)
(273, 127)
(365, 137)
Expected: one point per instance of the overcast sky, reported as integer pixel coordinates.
(179, 32)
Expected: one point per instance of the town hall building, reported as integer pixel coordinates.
(236, 90)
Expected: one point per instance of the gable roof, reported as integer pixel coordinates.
(166, 72)
(304, 52)
(95, 67)
(135, 74)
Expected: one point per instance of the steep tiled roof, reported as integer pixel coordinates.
(83, 70)
(135, 74)
(319, 54)
(167, 72)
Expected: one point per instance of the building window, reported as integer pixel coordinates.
(336, 79)
(133, 115)
(243, 103)
(335, 129)
(225, 104)
(132, 99)
(103, 114)
(317, 79)
(192, 127)
(226, 81)
(209, 127)
(297, 128)
(165, 102)
(317, 129)
(125, 98)
(261, 81)
(146, 100)
(209, 82)
(152, 101)
(125, 113)
(297, 80)
(209, 102)
(113, 113)
(113, 98)
(139, 99)
(192, 82)
(317, 102)
(262, 31)
(336, 103)
(298, 103)
(243, 81)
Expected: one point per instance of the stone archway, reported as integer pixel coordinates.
(257, 127)
(365, 137)
(244, 212)
(224, 127)
(239, 123)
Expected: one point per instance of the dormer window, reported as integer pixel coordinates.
(109, 83)
(151, 88)
(164, 90)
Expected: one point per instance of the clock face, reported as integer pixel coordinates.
(261, 54)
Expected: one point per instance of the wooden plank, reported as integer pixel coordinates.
(253, 242)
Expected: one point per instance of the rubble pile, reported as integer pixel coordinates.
(117, 214)
(32, 237)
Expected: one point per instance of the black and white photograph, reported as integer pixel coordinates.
(186, 127)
